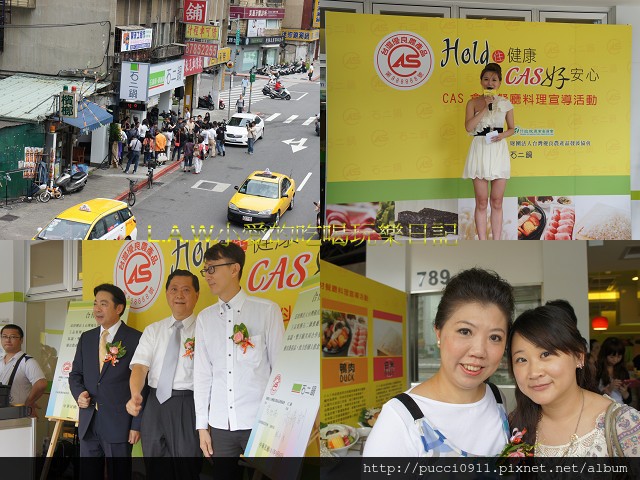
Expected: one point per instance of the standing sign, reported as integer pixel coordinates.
(134, 80)
(195, 11)
(80, 318)
(292, 398)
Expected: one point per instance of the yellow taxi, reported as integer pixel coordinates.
(262, 198)
(96, 219)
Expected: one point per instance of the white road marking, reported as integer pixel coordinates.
(290, 119)
(302, 96)
(210, 186)
(272, 117)
(307, 122)
(296, 146)
(303, 182)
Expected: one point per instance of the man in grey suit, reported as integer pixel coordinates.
(99, 381)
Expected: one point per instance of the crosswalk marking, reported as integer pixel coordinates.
(272, 117)
(290, 119)
(307, 122)
(304, 181)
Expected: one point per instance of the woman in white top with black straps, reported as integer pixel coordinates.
(455, 413)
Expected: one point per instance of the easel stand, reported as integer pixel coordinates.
(313, 445)
(57, 430)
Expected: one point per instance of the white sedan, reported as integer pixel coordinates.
(237, 128)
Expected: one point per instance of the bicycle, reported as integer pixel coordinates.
(131, 196)
(45, 195)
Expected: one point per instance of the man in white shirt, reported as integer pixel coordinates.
(28, 382)
(229, 378)
(165, 354)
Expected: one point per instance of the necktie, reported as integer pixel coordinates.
(165, 382)
(102, 350)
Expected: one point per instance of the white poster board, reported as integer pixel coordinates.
(291, 401)
(80, 318)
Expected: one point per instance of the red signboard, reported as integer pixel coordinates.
(256, 12)
(201, 49)
(193, 65)
(195, 11)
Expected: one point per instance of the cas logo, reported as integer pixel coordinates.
(404, 60)
(139, 272)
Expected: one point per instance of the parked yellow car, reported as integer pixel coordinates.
(96, 219)
(262, 198)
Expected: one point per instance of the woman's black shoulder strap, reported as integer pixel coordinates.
(410, 405)
(496, 392)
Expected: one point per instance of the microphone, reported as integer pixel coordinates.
(489, 92)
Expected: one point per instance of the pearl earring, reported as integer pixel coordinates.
(438, 343)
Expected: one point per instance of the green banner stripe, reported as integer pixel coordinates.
(635, 195)
(442, 188)
(11, 297)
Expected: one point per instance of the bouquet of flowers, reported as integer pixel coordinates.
(516, 447)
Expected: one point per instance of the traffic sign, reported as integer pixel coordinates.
(229, 64)
(238, 36)
(252, 77)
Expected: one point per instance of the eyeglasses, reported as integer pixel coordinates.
(211, 269)
(10, 337)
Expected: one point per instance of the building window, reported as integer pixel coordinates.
(412, 10)
(572, 17)
(495, 14)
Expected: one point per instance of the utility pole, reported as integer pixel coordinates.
(252, 78)
(233, 65)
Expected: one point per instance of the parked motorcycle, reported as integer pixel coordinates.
(317, 122)
(71, 183)
(221, 105)
(206, 102)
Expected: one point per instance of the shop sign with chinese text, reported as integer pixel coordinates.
(134, 79)
(136, 39)
(195, 11)
(166, 76)
(202, 32)
(193, 65)
(253, 12)
(201, 49)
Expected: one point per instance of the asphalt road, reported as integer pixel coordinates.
(191, 206)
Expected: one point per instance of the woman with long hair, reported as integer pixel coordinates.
(455, 412)
(611, 372)
(488, 160)
(557, 400)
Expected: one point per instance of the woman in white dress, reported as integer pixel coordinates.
(556, 393)
(455, 412)
(488, 159)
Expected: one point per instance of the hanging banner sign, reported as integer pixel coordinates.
(195, 11)
(202, 32)
(201, 49)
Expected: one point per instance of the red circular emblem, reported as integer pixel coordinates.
(498, 56)
(66, 368)
(404, 60)
(276, 384)
(139, 273)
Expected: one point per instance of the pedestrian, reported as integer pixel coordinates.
(147, 148)
(489, 162)
(143, 128)
(220, 139)
(245, 84)
(135, 146)
(204, 133)
(168, 132)
(207, 118)
(187, 113)
(212, 139)
(310, 71)
(160, 144)
(199, 154)
(121, 146)
(178, 139)
(229, 384)
(188, 153)
(251, 136)
(240, 104)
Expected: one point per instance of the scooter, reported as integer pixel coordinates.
(206, 102)
(282, 93)
(221, 105)
(71, 183)
(317, 122)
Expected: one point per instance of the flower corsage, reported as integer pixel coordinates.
(516, 447)
(115, 351)
(189, 347)
(241, 337)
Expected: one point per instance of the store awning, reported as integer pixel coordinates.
(90, 116)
